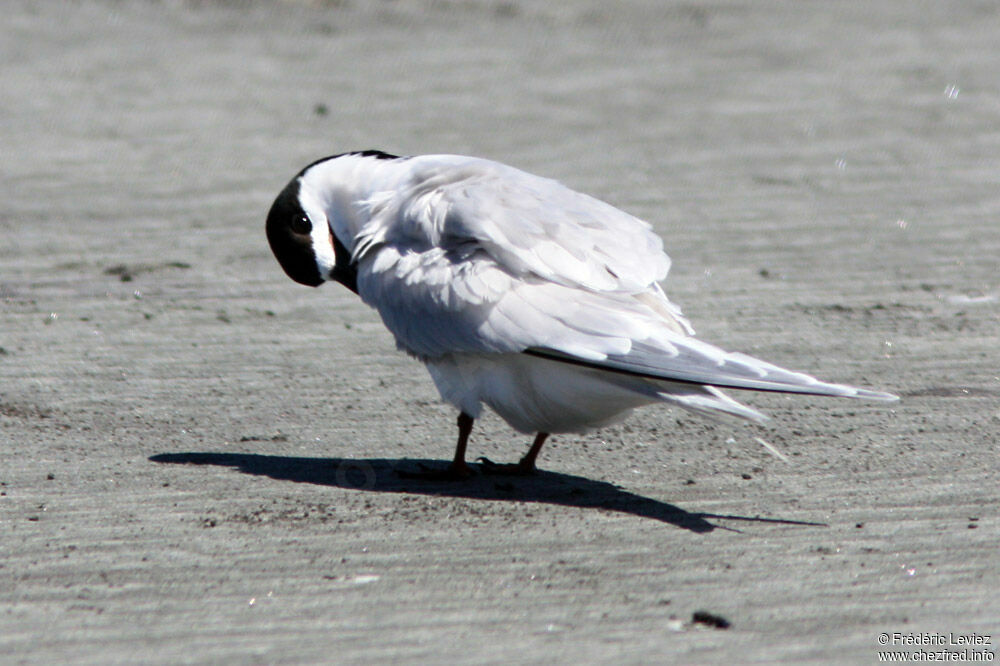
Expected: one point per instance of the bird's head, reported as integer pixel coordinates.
(296, 239)
(300, 230)
(303, 241)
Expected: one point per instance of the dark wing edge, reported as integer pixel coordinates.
(737, 371)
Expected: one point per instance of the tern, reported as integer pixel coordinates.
(515, 291)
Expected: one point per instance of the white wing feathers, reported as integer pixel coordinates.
(539, 227)
(528, 224)
(486, 258)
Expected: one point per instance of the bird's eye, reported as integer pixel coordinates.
(301, 224)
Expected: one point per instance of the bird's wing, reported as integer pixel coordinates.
(439, 302)
(472, 255)
(531, 226)
(490, 259)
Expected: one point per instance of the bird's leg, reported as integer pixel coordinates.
(458, 465)
(528, 461)
(458, 469)
(524, 467)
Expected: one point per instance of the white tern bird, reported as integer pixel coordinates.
(515, 291)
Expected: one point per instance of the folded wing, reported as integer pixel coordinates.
(479, 257)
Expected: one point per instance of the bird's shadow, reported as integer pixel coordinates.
(382, 475)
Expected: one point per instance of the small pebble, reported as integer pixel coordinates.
(710, 620)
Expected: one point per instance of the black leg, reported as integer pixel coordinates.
(464, 430)
(528, 461)
(458, 469)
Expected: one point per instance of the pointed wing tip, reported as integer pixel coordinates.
(867, 394)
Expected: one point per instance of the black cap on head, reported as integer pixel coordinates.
(288, 234)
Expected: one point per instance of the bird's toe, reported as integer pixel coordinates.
(522, 468)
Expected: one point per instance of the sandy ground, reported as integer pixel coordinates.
(198, 457)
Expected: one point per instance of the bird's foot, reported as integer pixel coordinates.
(523, 468)
(453, 472)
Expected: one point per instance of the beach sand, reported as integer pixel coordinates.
(198, 457)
